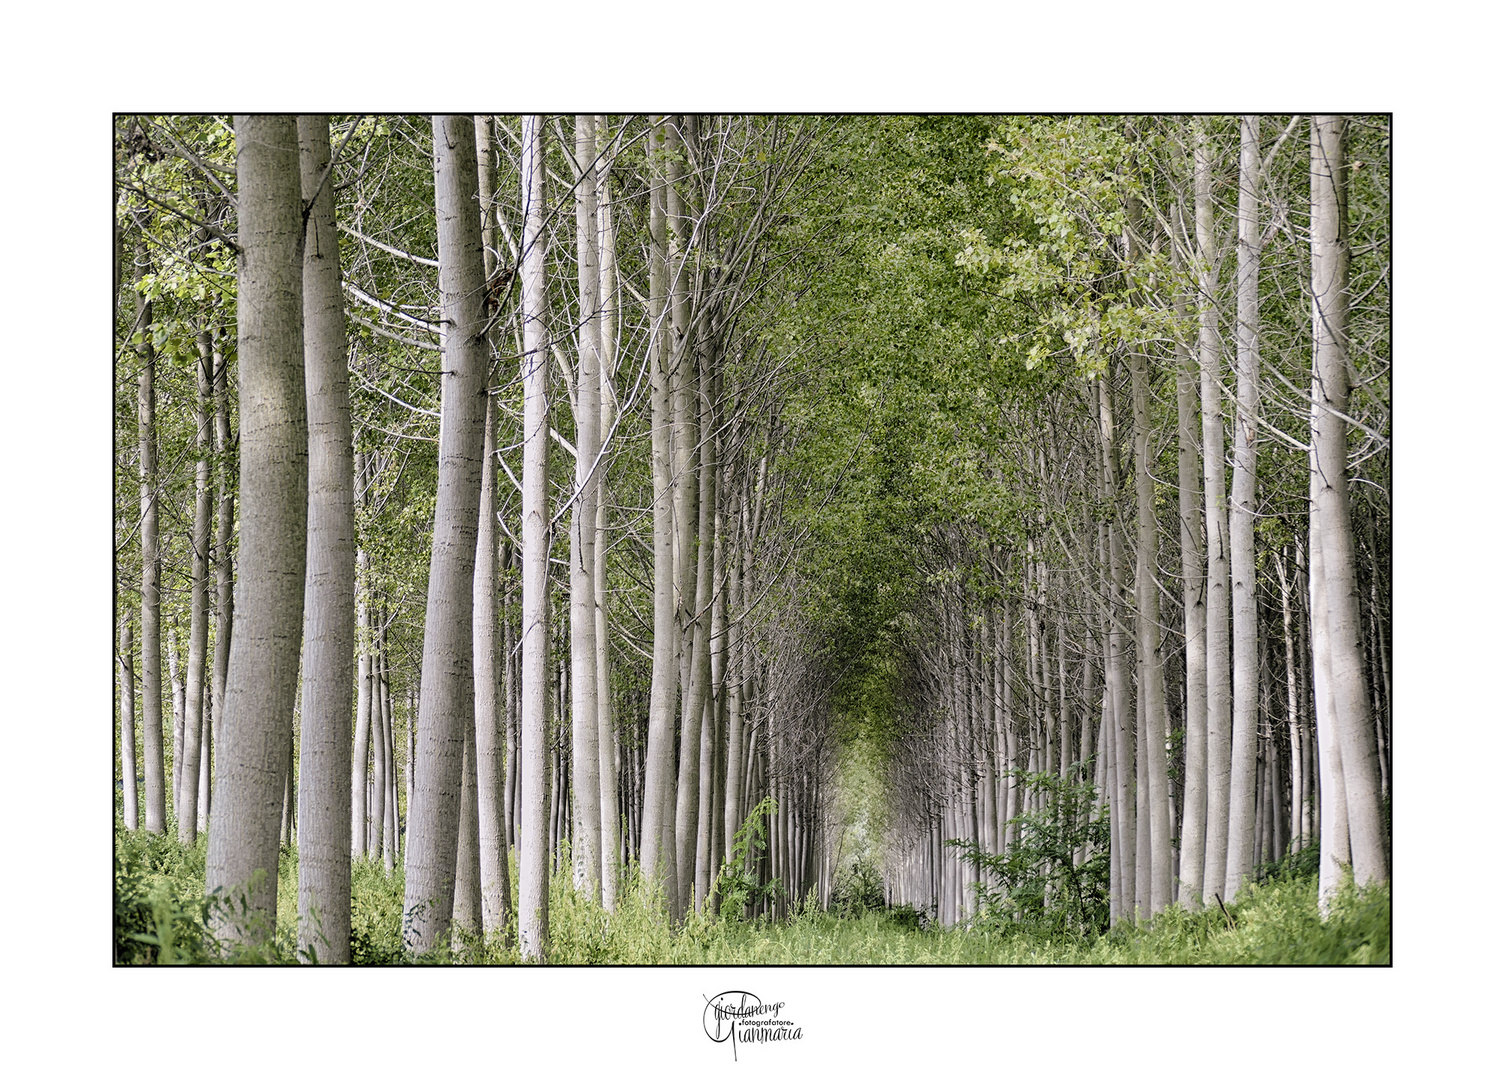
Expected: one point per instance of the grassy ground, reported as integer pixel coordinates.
(159, 917)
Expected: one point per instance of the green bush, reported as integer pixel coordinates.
(1036, 882)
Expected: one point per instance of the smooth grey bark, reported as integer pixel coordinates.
(224, 570)
(329, 592)
(1332, 825)
(389, 844)
(151, 566)
(175, 683)
(467, 913)
(376, 808)
(362, 753)
(606, 735)
(198, 620)
(692, 718)
(1243, 771)
(1293, 714)
(496, 889)
(1331, 517)
(1193, 604)
(710, 733)
(511, 691)
(585, 720)
(735, 763)
(1122, 807)
(446, 699)
(262, 682)
(1214, 493)
(658, 783)
(533, 855)
(1153, 719)
(685, 438)
(129, 793)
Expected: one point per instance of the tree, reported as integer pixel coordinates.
(261, 684)
(329, 598)
(585, 757)
(1346, 702)
(151, 569)
(533, 856)
(496, 891)
(446, 703)
(1246, 665)
(1214, 492)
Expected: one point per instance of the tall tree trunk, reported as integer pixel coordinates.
(1333, 528)
(1214, 489)
(446, 699)
(262, 683)
(585, 756)
(175, 684)
(224, 569)
(129, 793)
(658, 781)
(735, 762)
(1194, 610)
(389, 750)
(376, 802)
(711, 740)
(151, 566)
(1123, 805)
(691, 765)
(606, 736)
(1293, 715)
(533, 860)
(363, 697)
(496, 888)
(329, 594)
(198, 624)
(1154, 720)
(1242, 786)
(683, 797)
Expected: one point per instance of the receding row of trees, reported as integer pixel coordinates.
(1194, 298)
(584, 481)
(632, 335)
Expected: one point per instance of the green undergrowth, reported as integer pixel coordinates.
(161, 916)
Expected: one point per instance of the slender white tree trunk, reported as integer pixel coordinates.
(1153, 720)
(446, 701)
(658, 782)
(175, 683)
(1333, 528)
(1214, 492)
(262, 683)
(1123, 808)
(533, 860)
(363, 710)
(1193, 603)
(585, 758)
(198, 626)
(1243, 770)
(151, 568)
(1293, 714)
(496, 888)
(606, 735)
(224, 571)
(329, 595)
(128, 726)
